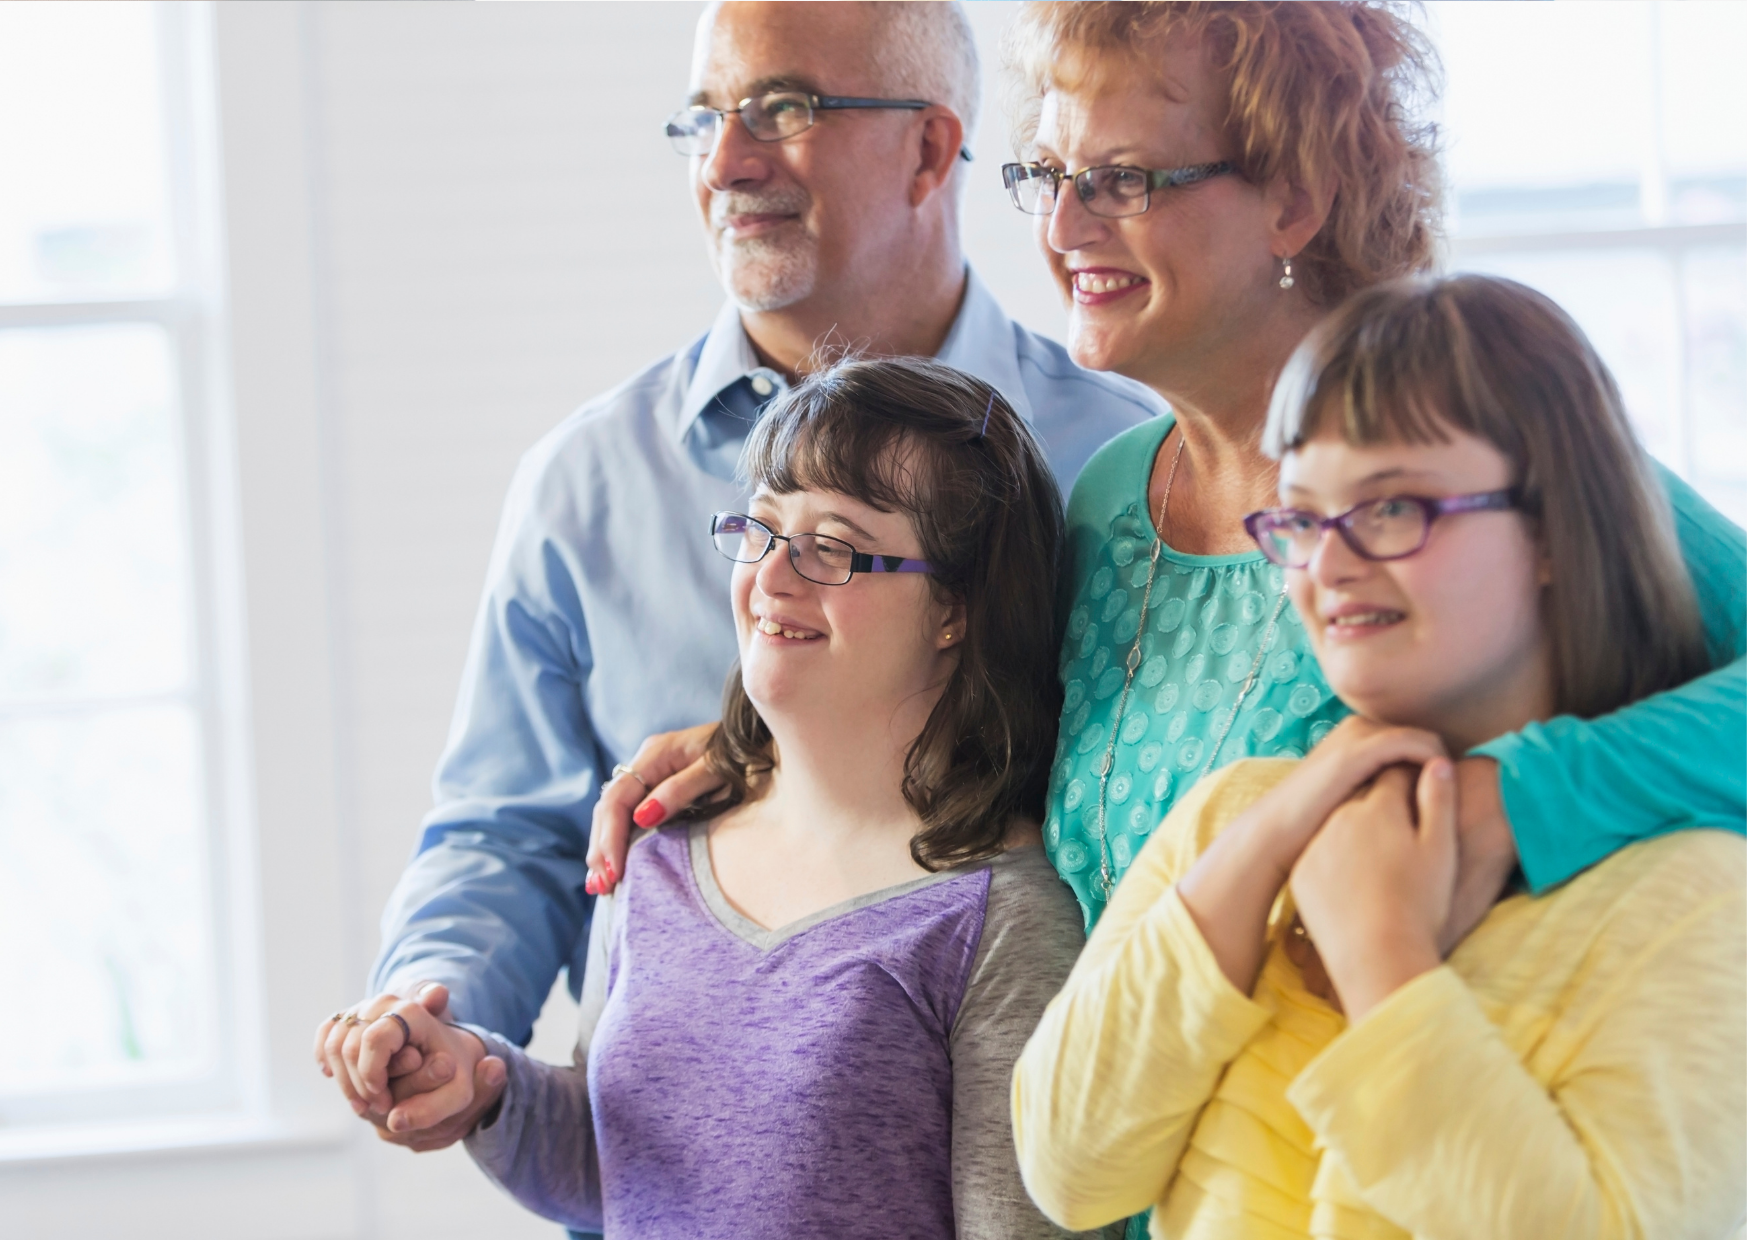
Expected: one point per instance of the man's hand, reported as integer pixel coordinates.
(1374, 887)
(671, 774)
(424, 1091)
(1486, 850)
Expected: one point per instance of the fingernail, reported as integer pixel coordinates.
(608, 872)
(592, 886)
(357, 1107)
(649, 813)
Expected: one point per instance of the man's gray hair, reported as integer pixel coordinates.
(927, 51)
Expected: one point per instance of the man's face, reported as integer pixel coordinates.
(788, 219)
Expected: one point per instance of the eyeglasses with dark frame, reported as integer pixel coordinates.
(1110, 190)
(771, 118)
(819, 558)
(1392, 528)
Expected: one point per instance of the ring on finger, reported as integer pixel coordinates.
(406, 1029)
(625, 768)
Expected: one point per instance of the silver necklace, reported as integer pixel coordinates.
(1107, 879)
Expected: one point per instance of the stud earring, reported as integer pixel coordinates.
(1286, 271)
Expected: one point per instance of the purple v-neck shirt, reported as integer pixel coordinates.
(845, 1075)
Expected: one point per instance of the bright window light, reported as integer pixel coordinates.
(1599, 152)
(106, 765)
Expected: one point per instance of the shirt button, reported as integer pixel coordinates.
(763, 386)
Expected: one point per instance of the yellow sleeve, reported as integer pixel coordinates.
(1108, 1088)
(1639, 1130)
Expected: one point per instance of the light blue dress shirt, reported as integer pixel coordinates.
(606, 619)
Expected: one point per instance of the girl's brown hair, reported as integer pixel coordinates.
(1318, 93)
(1414, 360)
(917, 437)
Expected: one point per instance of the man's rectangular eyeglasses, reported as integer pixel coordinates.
(817, 557)
(1113, 190)
(771, 118)
(1379, 529)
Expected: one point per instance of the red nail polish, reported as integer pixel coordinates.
(649, 813)
(590, 885)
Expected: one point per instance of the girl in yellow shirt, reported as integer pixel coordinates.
(1264, 1036)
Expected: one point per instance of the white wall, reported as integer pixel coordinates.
(448, 226)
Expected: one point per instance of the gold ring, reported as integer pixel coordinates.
(351, 1019)
(336, 1018)
(624, 768)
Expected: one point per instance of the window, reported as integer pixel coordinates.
(1597, 152)
(113, 766)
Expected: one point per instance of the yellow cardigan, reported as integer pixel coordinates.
(1575, 1069)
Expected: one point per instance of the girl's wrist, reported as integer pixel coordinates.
(1380, 967)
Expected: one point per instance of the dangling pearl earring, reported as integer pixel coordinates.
(1286, 271)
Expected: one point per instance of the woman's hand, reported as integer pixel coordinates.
(672, 763)
(1374, 887)
(1234, 884)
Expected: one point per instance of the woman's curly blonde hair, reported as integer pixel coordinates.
(1318, 92)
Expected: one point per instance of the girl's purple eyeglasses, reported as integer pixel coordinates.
(1379, 529)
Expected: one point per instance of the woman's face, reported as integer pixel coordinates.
(1450, 638)
(875, 648)
(1154, 294)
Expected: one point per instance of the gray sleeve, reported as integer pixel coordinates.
(1032, 932)
(540, 1146)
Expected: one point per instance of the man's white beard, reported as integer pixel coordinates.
(765, 273)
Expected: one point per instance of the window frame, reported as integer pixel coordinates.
(249, 450)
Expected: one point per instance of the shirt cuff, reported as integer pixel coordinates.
(1546, 855)
(493, 1138)
(1387, 1084)
(1216, 1015)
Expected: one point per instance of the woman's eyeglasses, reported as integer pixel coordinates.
(1379, 529)
(1113, 191)
(821, 559)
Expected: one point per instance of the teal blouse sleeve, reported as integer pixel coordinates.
(1578, 790)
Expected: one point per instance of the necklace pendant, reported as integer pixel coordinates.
(1134, 659)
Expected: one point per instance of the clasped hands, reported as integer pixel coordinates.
(423, 1081)
(1389, 866)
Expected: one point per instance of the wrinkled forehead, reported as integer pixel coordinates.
(745, 49)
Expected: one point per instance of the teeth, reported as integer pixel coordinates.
(1364, 618)
(772, 628)
(1086, 282)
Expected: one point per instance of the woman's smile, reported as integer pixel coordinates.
(1097, 286)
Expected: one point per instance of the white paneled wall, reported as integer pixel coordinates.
(457, 222)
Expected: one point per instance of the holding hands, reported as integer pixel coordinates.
(1387, 873)
(1375, 886)
(423, 1081)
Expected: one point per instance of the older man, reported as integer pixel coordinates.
(827, 148)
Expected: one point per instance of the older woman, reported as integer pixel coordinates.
(1209, 180)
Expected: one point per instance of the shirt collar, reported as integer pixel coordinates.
(980, 342)
(726, 358)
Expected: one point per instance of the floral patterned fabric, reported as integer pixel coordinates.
(1205, 624)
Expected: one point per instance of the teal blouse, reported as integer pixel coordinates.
(1575, 790)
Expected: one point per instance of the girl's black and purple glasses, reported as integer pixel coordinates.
(820, 558)
(1379, 529)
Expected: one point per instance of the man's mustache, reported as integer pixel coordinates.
(730, 203)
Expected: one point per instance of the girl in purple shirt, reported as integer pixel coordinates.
(804, 1002)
